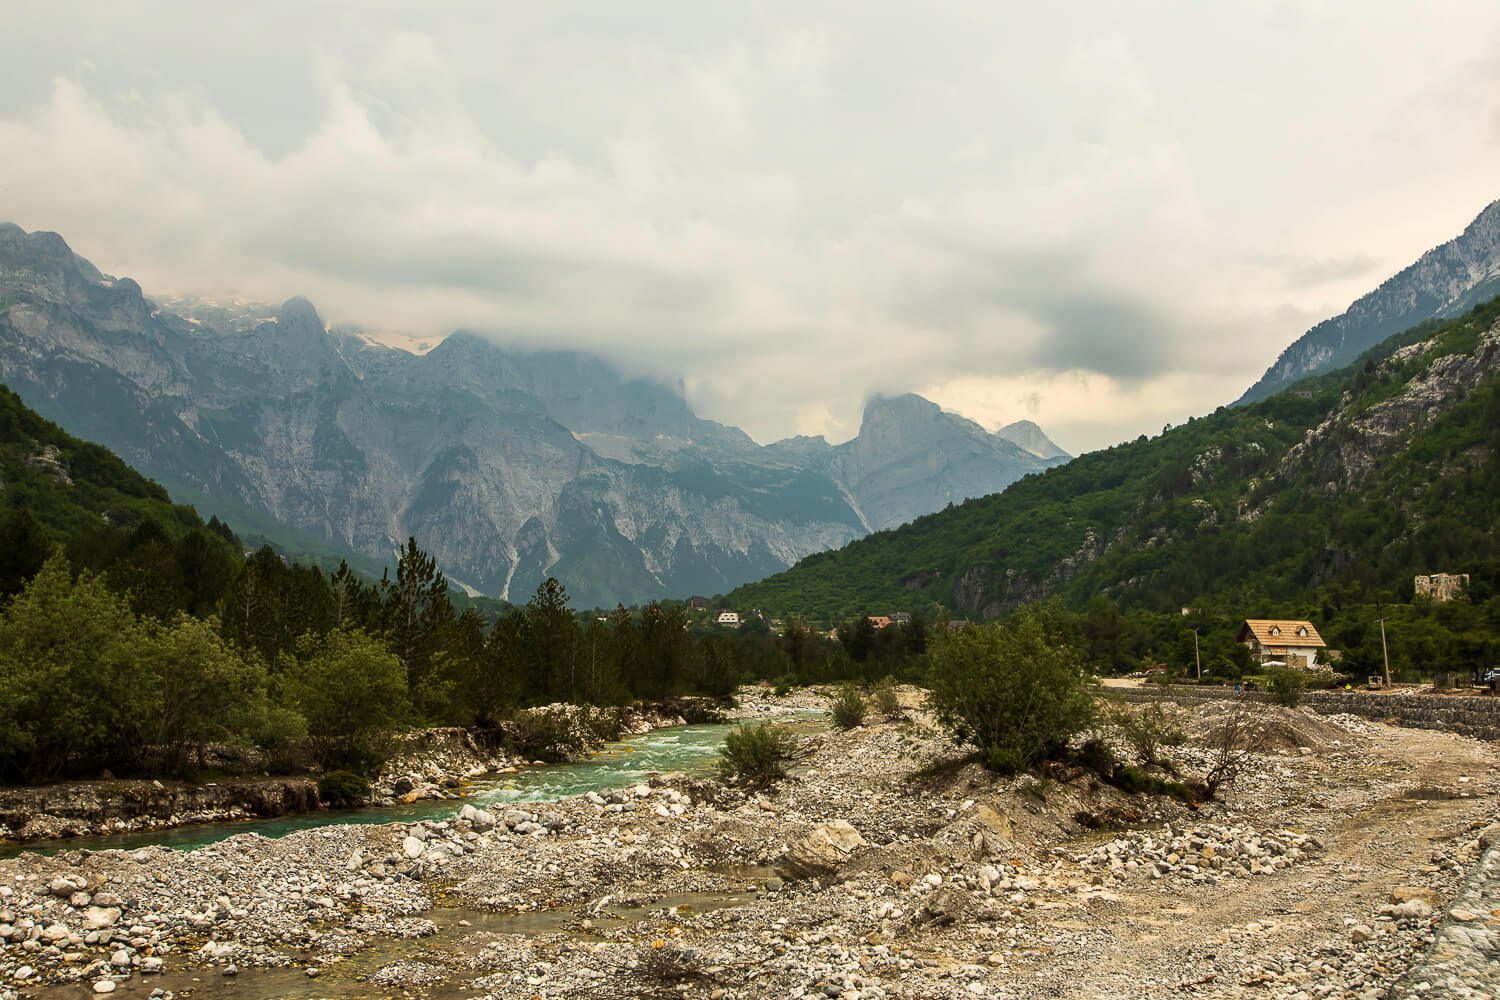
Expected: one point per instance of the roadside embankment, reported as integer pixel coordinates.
(1477, 717)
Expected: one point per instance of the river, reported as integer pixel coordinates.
(691, 750)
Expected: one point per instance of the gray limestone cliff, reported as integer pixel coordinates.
(507, 466)
(1444, 282)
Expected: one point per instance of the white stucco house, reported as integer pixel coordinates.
(1293, 644)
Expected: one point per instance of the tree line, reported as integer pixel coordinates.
(132, 652)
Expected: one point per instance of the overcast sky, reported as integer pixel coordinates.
(1100, 216)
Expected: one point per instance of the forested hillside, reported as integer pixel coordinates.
(58, 490)
(1340, 488)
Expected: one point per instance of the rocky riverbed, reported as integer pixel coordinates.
(881, 869)
(426, 764)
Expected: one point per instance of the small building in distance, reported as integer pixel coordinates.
(727, 617)
(697, 603)
(900, 618)
(879, 621)
(1289, 643)
(1441, 586)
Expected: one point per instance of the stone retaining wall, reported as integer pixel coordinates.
(1477, 717)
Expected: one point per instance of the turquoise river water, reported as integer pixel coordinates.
(691, 750)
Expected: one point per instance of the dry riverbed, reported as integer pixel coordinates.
(1325, 872)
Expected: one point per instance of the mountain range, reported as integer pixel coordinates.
(508, 466)
(1353, 483)
(1444, 282)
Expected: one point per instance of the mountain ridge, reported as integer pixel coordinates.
(508, 466)
(1357, 480)
(1445, 281)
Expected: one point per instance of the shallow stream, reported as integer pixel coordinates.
(692, 750)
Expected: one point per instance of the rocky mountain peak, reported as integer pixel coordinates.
(298, 316)
(1031, 437)
(1445, 281)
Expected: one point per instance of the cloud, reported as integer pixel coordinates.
(1069, 216)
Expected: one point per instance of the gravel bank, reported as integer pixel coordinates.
(878, 871)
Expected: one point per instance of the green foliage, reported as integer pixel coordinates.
(74, 685)
(60, 490)
(1012, 690)
(848, 707)
(1136, 780)
(203, 692)
(887, 702)
(417, 617)
(343, 788)
(1287, 687)
(545, 736)
(756, 755)
(352, 691)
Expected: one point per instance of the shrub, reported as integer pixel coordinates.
(848, 708)
(352, 691)
(756, 754)
(1287, 687)
(1231, 745)
(886, 701)
(545, 736)
(343, 788)
(1148, 729)
(1011, 691)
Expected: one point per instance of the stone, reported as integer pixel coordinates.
(97, 918)
(1406, 893)
(944, 906)
(413, 847)
(1360, 933)
(104, 986)
(821, 852)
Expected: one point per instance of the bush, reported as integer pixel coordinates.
(848, 708)
(544, 736)
(756, 755)
(343, 788)
(1287, 687)
(886, 701)
(1148, 729)
(352, 691)
(1011, 691)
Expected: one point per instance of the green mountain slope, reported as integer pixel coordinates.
(1357, 480)
(69, 485)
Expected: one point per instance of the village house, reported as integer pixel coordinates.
(900, 618)
(879, 621)
(728, 618)
(1278, 643)
(697, 603)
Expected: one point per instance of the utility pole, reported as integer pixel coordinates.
(1197, 660)
(1384, 653)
